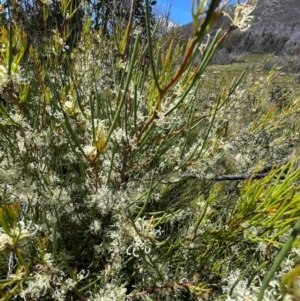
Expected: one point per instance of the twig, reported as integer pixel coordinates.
(237, 176)
(78, 294)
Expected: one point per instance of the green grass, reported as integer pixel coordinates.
(216, 75)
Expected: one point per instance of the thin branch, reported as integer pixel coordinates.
(237, 176)
(78, 294)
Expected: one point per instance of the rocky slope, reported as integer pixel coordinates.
(276, 29)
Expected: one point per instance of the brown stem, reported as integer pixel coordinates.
(124, 165)
(78, 294)
(170, 285)
(146, 125)
(226, 33)
(9, 90)
(211, 15)
(182, 68)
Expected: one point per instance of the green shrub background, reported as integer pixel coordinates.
(110, 153)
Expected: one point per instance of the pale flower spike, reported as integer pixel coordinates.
(242, 18)
(203, 46)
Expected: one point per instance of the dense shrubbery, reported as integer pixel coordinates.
(109, 168)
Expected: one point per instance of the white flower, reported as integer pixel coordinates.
(241, 18)
(18, 232)
(3, 76)
(90, 152)
(38, 287)
(48, 259)
(69, 106)
(4, 240)
(15, 75)
(95, 226)
(203, 46)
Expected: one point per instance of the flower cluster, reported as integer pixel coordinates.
(19, 232)
(115, 156)
(242, 18)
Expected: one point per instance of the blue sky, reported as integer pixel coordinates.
(180, 9)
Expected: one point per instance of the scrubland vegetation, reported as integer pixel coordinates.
(114, 153)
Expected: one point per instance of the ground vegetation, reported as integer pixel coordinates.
(129, 172)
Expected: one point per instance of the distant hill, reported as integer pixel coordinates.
(276, 29)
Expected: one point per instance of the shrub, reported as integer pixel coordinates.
(110, 169)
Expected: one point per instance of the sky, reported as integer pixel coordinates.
(180, 9)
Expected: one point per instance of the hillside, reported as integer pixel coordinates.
(276, 29)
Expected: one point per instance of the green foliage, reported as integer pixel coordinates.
(40, 18)
(109, 156)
